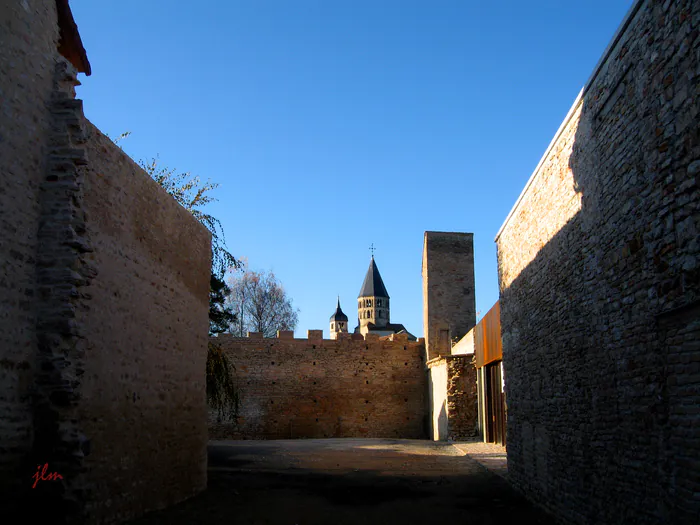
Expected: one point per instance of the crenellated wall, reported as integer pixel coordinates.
(600, 289)
(354, 386)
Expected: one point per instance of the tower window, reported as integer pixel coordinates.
(332, 327)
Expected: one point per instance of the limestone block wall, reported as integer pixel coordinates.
(28, 38)
(449, 301)
(453, 397)
(599, 279)
(143, 404)
(316, 388)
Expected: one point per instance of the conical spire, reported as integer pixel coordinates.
(373, 286)
(339, 315)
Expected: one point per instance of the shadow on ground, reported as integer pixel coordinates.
(347, 481)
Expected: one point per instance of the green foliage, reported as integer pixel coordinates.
(119, 138)
(221, 315)
(192, 195)
(222, 391)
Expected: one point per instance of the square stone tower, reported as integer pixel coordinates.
(449, 301)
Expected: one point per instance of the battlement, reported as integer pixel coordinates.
(353, 386)
(317, 335)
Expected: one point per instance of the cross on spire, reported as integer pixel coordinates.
(372, 249)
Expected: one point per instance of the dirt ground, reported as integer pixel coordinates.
(348, 482)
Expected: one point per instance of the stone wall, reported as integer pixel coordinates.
(104, 312)
(449, 301)
(143, 391)
(453, 397)
(599, 279)
(28, 38)
(316, 388)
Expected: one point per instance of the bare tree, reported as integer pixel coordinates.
(260, 304)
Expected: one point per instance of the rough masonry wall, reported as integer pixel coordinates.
(598, 269)
(462, 399)
(453, 397)
(143, 391)
(28, 42)
(449, 301)
(104, 282)
(316, 388)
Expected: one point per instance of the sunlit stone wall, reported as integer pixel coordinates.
(599, 277)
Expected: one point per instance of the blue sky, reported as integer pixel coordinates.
(334, 124)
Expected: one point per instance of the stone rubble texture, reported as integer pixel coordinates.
(599, 284)
(453, 397)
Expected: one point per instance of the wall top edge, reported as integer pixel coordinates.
(626, 21)
(448, 234)
(385, 339)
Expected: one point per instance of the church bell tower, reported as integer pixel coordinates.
(339, 322)
(373, 301)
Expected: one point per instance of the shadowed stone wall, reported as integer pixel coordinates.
(104, 314)
(28, 38)
(143, 401)
(449, 301)
(599, 279)
(315, 388)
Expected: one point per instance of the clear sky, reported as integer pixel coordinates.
(334, 124)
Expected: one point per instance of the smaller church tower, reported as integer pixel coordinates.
(339, 322)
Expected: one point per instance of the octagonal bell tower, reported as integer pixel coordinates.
(373, 300)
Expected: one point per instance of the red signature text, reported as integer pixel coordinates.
(42, 475)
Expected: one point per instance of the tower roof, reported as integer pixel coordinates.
(373, 286)
(339, 315)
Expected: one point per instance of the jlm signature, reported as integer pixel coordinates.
(42, 475)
